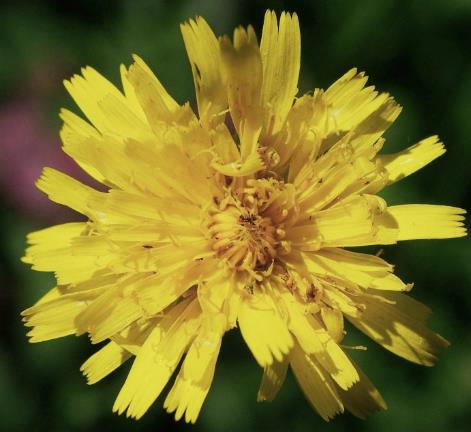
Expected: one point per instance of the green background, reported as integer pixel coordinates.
(416, 50)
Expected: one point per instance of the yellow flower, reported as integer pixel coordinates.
(237, 216)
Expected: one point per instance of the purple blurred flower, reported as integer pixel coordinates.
(28, 143)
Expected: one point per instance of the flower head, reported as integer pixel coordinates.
(237, 216)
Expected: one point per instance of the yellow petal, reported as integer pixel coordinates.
(89, 91)
(149, 233)
(160, 290)
(51, 239)
(408, 305)
(56, 317)
(280, 50)
(296, 142)
(252, 163)
(359, 109)
(107, 315)
(163, 258)
(131, 209)
(103, 157)
(314, 339)
(130, 94)
(157, 359)
(263, 329)
(366, 138)
(65, 190)
(122, 121)
(312, 171)
(354, 221)
(75, 258)
(272, 379)
(423, 221)
(68, 268)
(224, 145)
(410, 160)
(316, 384)
(337, 299)
(104, 361)
(340, 182)
(174, 170)
(186, 397)
(215, 287)
(368, 271)
(194, 380)
(397, 330)
(74, 135)
(133, 337)
(156, 103)
(362, 398)
(52, 294)
(350, 101)
(333, 321)
(242, 68)
(203, 52)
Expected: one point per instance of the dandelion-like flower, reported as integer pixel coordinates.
(237, 216)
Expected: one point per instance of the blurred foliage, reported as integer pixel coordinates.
(416, 50)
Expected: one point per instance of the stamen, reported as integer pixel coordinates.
(244, 234)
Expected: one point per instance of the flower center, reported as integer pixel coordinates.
(243, 239)
(247, 226)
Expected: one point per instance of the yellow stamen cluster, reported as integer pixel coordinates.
(247, 225)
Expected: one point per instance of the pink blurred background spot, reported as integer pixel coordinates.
(30, 142)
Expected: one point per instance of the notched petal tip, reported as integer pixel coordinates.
(136, 58)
